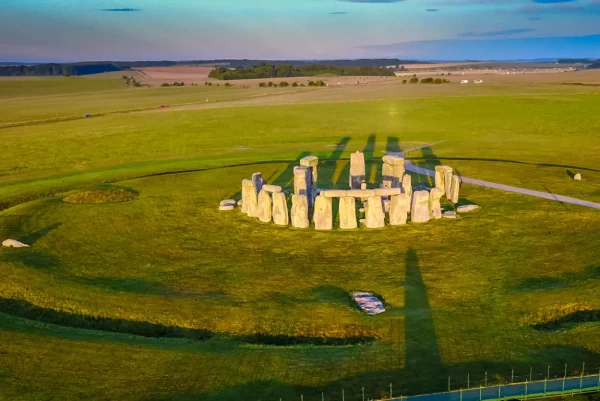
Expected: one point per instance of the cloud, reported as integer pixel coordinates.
(490, 34)
(338, 13)
(552, 1)
(121, 10)
(561, 7)
(432, 10)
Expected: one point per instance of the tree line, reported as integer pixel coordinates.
(288, 70)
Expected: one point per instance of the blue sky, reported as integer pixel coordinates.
(76, 30)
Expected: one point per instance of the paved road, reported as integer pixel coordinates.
(507, 188)
(519, 390)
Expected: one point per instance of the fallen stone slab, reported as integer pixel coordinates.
(577, 177)
(466, 208)
(227, 202)
(369, 303)
(13, 243)
(226, 207)
(449, 215)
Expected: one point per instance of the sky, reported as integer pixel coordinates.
(94, 30)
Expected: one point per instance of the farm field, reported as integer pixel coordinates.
(164, 297)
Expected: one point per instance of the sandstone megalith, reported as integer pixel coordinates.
(399, 206)
(357, 170)
(434, 203)
(249, 198)
(348, 213)
(280, 209)
(258, 181)
(455, 189)
(375, 217)
(407, 185)
(323, 213)
(300, 211)
(264, 207)
(420, 207)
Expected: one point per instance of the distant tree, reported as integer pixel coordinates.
(270, 84)
(404, 81)
(414, 80)
(283, 84)
(438, 81)
(262, 85)
(295, 84)
(228, 84)
(427, 81)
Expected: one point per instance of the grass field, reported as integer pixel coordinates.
(159, 296)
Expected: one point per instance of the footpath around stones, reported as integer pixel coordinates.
(391, 203)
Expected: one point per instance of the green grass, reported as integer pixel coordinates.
(464, 297)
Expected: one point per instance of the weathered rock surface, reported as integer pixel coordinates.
(361, 193)
(312, 162)
(240, 203)
(249, 198)
(386, 205)
(375, 217)
(434, 203)
(227, 202)
(443, 178)
(257, 178)
(466, 208)
(399, 206)
(300, 211)
(407, 185)
(420, 207)
(280, 209)
(302, 180)
(363, 185)
(387, 191)
(348, 213)
(393, 160)
(323, 213)
(454, 189)
(264, 207)
(369, 303)
(577, 177)
(271, 188)
(357, 170)
(449, 215)
(334, 193)
(226, 207)
(13, 243)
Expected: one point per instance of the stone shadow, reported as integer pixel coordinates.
(370, 162)
(39, 234)
(328, 175)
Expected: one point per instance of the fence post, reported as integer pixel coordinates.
(480, 392)
(448, 383)
(468, 380)
(461, 394)
(391, 396)
(598, 378)
(301, 397)
(499, 391)
(564, 379)
(512, 376)
(485, 379)
(565, 370)
(530, 374)
(343, 396)
(548, 375)
(545, 385)
(583, 369)
(322, 396)
(363, 394)
(526, 389)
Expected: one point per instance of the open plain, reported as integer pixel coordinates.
(150, 293)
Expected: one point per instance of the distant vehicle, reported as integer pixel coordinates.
(162, 106)
(478, 81)
(87, 115)
(464, 81)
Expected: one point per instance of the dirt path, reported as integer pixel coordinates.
(507, 188)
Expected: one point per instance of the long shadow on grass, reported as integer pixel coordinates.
(39, 234)
(370, 164)
(328, 175)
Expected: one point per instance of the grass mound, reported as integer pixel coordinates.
(116, 195)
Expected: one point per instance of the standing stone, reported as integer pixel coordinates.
(434, 203)
(302, 180)
(375, 217)
(420, 207)
(439, 177)
(258, 181)
(280, 209)
(249, 198)
(323, 213)
(387, 175)
(348, 213)
(312, 162)
(454, 189)
(300, 211)
(443, 179)
(357, 170)
(407, 185)
(399, 206)
(363, 185)
(396, 171)
(264, 207)
(577, 177)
